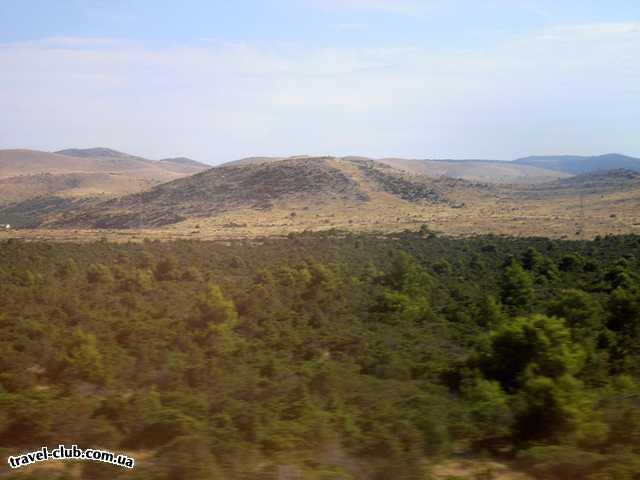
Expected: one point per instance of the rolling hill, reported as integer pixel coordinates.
(309, 184)
(78, 173)
(33, 162)
(529, 170)
(576, 164)
(121, 160)
(491, 171)
(71, 185)
(264, 196)
(95, 152)
(93, 160)
(597, 183)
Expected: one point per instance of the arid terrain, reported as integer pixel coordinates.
(83, 173)
(262, 196)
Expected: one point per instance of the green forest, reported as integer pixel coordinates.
(329, 356)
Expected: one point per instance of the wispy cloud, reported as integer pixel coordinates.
(571, 88)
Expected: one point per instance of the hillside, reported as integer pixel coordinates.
(489, 171)
(109, 156)
(576, 164)
(271, 197)
(76, 173)
(32, 162)
(492, 171)
(95, 160)
(251, 161)
(606, 182)
(297, 183)
(277, 198)
(96, 152)
(529, 170)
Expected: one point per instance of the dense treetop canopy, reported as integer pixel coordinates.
(335, 355)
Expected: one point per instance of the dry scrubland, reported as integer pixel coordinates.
(91, 173)
(499, 213)
(296, 195)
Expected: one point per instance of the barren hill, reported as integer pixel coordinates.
(576, 164)
(96, 152)
(295, 183)
(599, 183)
(31, 162)
(109, 156)
(71, 185)
(76, 173)
(270, 197)
(524, 171)
(489, 171)
(492, 171)
(93, 160)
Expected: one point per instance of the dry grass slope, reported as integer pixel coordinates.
(224, 189)
(277, 198)
(478, 170)
(26, 175)
(486, 171)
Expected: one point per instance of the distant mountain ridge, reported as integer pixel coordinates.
(184, 161)
(532, 169)
(103, 152)
(92, 160)
(577, 164)
(95, 152)
(83, 173)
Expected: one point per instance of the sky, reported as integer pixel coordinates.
(218, 80)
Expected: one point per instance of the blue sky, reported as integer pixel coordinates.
(218, 80)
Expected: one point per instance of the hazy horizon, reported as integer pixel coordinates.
(294, 155)
(215, 81)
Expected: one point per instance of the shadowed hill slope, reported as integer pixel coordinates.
(297, 183)
(529, 170)
(278, 197)
(587, 184)
(490, 171)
